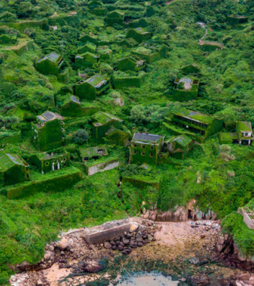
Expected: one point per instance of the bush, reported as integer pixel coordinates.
(81, 137)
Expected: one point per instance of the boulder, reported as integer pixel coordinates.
(92, 266)
(126, 241)
(49, 255)
(63, 243)
(107, 245)
(134, 226)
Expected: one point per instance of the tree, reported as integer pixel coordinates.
(81, 137)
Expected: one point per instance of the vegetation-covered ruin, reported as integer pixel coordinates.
(76, 75)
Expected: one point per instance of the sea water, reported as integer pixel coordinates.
(147, 279)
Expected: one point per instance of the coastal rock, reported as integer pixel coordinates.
(93, 266)
(107, 245)
(200, 280)
(63, 243)
(134, 226)
(49, 255)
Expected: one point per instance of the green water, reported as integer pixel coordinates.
(148, 279)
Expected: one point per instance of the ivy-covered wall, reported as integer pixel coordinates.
(144, 153)
(47, 67)
(141, 183)
(118, 137)
(49, 137)
(16, 174)
(73, 109)
(59, 182)
(132, 81)
(99, 132)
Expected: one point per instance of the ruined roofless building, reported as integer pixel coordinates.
(145, 148)
(185, 89)
(51, 161)
(48, 131)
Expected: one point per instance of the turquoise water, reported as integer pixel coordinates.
(148, 279)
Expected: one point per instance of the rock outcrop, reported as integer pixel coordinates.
(228, 252)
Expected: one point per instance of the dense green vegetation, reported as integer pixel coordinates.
(220, 177)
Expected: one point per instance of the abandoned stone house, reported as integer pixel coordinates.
(48, 131)
(127, 79)
(114, 17)
(104, 52)
(51, 161)
(132, 63)
(197, 122)
(102, 122)
(145, 148)
(89, 39)
(129, 43)
(185, 89)
(50, 64)
(243, 134)
(143, 23)
(248, 216)
(72, 107)
(149, 55)
(179, 146)
(13, 169)
(97, 8)
(92, 87)
(151, 10)
(117, 137)
(190, 69)
(92, 153)
(86, 60)
(88, 47)
(139, 34)
(235, 20)
(210, 46)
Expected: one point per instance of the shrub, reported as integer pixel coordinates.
(81, 137)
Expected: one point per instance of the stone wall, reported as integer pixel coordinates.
(246, 213)
(109, 230)
(101, 167)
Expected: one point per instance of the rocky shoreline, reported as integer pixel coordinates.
(191, 252)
